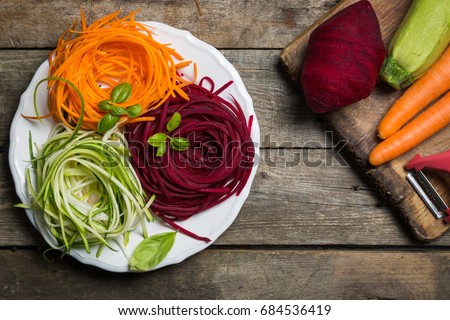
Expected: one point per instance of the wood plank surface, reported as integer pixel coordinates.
(239, 274)
(223, 24)
(324, 188)
(314, 225)
(320, 205)
(352, 123)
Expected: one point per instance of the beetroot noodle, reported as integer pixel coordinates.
(216, 166)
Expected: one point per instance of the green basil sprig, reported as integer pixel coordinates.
(134, 110)
(159, 139)
(119, 94)
(174, 122)
(105, 105)
(151, 251)
(108, 121)
(179, 144)
(118, 111)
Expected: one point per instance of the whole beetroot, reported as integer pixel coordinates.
(344, 56)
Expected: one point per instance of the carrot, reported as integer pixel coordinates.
(429, 122)
(99, 56)
(423, 91)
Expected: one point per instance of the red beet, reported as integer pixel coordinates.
(216, 166)
(343, 58)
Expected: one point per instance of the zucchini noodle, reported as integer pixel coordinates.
(84, 190)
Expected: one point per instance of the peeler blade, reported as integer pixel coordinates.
(427, 193)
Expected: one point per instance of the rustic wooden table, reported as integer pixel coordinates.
(313, 226)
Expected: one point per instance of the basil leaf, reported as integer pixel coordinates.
(157, 139)
(105, 105)
(121, 92)
(174, 122)
(152, 251)
(179, 144)
(134, 110)
(107, 122)
(118, 111)
(161, 150)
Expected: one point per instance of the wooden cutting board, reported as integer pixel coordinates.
(357, 124)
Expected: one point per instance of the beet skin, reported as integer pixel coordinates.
(343, 59)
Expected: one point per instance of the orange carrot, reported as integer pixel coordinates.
(430, 121)
(97, 57)
(427, 88)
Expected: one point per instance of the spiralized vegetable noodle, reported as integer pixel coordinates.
(110, 51)
(86, 192)
(216, 165)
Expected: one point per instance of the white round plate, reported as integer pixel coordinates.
(210, 223)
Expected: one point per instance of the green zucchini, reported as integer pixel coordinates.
(419, 41)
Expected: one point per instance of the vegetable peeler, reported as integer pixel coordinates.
(423, 186)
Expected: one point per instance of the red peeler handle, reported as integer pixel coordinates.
(439, 161)
(447, 218)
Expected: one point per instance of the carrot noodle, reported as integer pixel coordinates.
(199, 9)
(110, 51)
(216, 166)
(36, 117)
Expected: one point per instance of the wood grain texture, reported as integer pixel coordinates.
(351, 123)
(314, 227)
(223, 24)
(305, 191)
(238, 274)
(284, 121)
(321, 204)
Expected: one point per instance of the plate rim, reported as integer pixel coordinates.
(238, 201)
